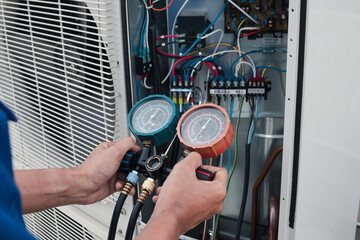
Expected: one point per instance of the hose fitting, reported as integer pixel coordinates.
(131, 180)
(147, 187)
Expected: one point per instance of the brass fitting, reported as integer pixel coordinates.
(127, 188)
(146, 188)
(186, 152)
(147, 143)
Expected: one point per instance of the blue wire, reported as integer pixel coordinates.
(256, 117)
(234, 26)
(142, 36)
(229, 149)
(232, 65)
(205, 31)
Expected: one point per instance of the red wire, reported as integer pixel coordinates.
(161, 9)
(173, 70)
(252, 33)
(212, 70)
(167, 54)
(167, 36)
(257, 73)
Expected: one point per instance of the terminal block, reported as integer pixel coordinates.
(255, 87)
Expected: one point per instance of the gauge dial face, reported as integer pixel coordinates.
(203, 126)
(151, 116)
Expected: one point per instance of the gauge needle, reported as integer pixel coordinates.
(151, 117)
(201, 130)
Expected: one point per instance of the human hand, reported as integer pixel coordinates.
(187, 199)
(99, 175)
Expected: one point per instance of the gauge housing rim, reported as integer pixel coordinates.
(218, 146)
(163, 135)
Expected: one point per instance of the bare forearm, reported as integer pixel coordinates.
(47, 188)
(162, 226)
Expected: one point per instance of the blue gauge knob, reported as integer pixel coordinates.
(154, 118)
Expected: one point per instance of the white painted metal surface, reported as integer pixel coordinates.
(329, 166)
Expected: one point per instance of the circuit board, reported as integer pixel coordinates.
(271, 14)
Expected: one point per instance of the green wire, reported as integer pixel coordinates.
(282, 83)
(235, 160)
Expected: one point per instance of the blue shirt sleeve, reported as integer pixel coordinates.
(11, 222)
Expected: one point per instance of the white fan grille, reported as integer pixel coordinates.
(57, 225)
(60, 72)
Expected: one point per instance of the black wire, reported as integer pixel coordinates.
(245, 191)
(115, 216)
(246, 176)
(132, 222)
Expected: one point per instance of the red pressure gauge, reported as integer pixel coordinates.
(205, 129)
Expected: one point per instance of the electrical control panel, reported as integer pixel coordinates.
(232, 54)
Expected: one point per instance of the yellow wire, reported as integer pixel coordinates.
(211, 45)
(238, 28)
(281, 77)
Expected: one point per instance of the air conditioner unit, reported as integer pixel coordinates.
(62, 73)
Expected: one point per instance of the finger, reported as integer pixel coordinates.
(193, 160)
(106, 145)
(119, 148)
(158, 190)
(155, 198)
(220, 173)
(119, 185)
(132, 192)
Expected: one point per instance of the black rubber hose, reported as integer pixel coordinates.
(245, 191)
(132, 221)
(116, 215)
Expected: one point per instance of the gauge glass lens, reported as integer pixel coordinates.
(151, 116)
(203, 126)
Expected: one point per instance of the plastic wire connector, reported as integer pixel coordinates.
(133, 177)
(236, 79)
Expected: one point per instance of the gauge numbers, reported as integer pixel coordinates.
(152, 116)
(203, 126)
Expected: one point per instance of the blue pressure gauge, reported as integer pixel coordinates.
(154, 118)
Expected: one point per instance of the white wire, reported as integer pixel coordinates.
(238, 36)
(173, 39)
(212, 33)
(245, 13)
(227, 51)
(145, 84)
(238, 68)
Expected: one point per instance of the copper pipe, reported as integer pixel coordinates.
(257, 184)
(273, 217)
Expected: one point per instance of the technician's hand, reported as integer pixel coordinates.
(99, 175)
(188, 200)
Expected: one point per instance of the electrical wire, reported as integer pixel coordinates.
(161, 9)
(205, 31)
(243, 11)
(212, 45)
(281, 77)
(172, 33)
(229, 149)
(235, 159)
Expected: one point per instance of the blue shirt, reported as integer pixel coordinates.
(11, 222)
